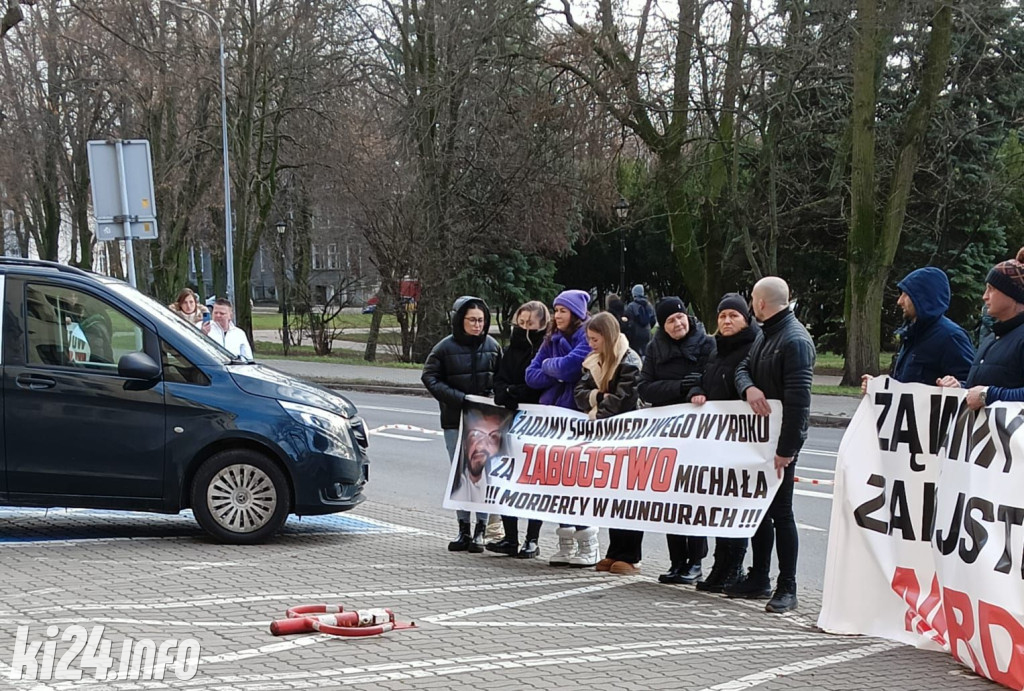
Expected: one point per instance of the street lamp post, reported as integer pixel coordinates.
(621, 209)
(229, 246)
(283, 287)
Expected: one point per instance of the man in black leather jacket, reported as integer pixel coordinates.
(463, 363)
(780, 365)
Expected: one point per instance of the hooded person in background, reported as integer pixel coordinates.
(931, 344)
(463, 363)
(640, 318)
(997, 373)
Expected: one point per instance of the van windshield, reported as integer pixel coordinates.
(159, 313)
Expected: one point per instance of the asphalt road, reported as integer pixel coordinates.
(409, 470)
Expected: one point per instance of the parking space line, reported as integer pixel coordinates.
(812, 493)
(533, 600)
(774, 673)
(442, 667)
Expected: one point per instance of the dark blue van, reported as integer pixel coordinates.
(111, 401)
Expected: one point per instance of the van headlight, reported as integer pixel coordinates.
(330, 431)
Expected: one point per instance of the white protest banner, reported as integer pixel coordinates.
(926, 540)
(693, 470)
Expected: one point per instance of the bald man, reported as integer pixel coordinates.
(780, 365)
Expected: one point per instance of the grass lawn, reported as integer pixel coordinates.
(271, 351)
(266, 322)
(836, 390)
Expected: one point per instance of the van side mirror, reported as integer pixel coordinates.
(138, 366)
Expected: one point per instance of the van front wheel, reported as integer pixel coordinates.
(240, 497)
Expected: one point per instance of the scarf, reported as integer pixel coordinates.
(604, 372)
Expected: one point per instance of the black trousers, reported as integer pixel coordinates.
(511, 526)
(625, 545)
(686, 548)
(778, 529)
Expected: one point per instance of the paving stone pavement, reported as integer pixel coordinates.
(483, 621)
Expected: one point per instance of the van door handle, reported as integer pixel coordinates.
(35, 382)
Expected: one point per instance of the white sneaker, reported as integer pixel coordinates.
(588, 551)
(566, 546)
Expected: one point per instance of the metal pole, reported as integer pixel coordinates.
(229, 236)
(622, 264)
(129, 252)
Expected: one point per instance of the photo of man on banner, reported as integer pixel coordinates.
(481, 438)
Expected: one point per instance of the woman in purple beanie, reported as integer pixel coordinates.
(555, 370)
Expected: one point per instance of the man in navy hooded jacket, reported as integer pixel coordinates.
(931, 344)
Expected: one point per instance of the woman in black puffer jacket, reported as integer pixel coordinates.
(735, 335)
(463, 363)
(675, 361)
(529, 328)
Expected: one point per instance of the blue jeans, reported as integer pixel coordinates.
(451, 440)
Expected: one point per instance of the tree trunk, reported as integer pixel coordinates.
(871, 248)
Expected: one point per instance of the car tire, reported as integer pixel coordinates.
(240, 497)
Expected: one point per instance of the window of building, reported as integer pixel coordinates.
(332, 256)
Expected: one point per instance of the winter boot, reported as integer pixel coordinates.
(716, 579)
(675, 573)
(691, 574)
(463, 541)
(503, 546)
(530, 550)
(754, 586)
(566, 546)
(588, 549)
(476, 545)
(784, 599)
(728, 566)
(509, 544)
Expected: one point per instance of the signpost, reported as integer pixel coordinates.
(123, 199)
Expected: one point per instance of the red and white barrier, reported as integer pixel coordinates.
(334, 620)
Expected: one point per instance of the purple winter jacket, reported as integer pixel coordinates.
(557, 366)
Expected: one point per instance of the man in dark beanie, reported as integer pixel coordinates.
(931, 344)
(674, 364)
(780, 366)
(997, 373)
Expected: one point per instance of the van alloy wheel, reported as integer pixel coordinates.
(241, 498)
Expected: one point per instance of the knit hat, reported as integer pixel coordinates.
(1008, 277)
(575, 301)
(734, 301)
(638, 291)
(666, 307)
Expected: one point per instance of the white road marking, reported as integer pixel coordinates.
(812, 493)
(442, 667)
(813, 528)
(456, 587)
(614, 625)
(398, 410)
(815, 470)
(774, 673)
(266, 649)
(403, 437)
(819, 452)
(532, 600)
